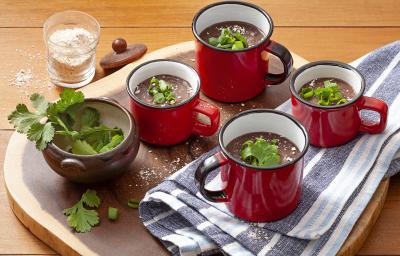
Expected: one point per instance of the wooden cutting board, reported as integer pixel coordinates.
(38, 196)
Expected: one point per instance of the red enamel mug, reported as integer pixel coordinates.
(171, 124)
(256, 193)
(330, 126)
(234, 76)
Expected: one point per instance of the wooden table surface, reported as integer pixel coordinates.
(315, 29)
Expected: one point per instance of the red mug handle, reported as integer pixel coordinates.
(378, 106)
(212, 112)
(205, 167)
(285, 57)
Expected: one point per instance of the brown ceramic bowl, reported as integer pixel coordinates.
(100, 167)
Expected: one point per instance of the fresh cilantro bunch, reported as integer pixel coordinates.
(161, 91)
(79, 217)
(66, 117)
(229, 40)
(329, 95)
(261, 153)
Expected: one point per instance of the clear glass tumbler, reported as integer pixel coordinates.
(71, 38)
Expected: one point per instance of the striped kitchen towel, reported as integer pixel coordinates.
(338, 183)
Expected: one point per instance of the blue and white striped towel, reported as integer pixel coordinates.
(338, 183)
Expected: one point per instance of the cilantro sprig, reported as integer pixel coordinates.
(79, 217)
(65, 117)
(229, 40)
(161, 91)
(261, 153)
(329, 95)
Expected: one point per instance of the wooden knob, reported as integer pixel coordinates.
(119, 45)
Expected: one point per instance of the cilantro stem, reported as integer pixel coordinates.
(62, 124)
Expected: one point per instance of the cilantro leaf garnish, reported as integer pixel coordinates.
(90, 117)
(81, 147)
(91, 199)
(39, 103)
(67, 99)
(65, 117)
(161, 91)
(115, 140)
(41, 134)
(229, 40)
(329, 95)
(80, 218)
(261, 153)
(23, 119)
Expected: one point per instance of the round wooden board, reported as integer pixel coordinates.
(37, 195)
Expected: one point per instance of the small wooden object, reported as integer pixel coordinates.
(123, 54)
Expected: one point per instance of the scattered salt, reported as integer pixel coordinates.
(22, 77)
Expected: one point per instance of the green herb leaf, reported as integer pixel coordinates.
(80, 218)
(83, 220)
(22, 119)
(86, 131)
(81, 147)
(70, 114)
(68, 97)
(133, 203)
(100, 136)
(39, 103)
(260, 153)
(115, 141)
(91, 199)
(60, 118)
(112, 213)
(90, 117)
(41, 134)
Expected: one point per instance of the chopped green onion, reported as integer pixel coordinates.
(307, 92)
(112, 213)
(213, 41)
(133, 203)
(328, 84)
(342, 101)
(164, 86)
(154, 81)
(229, 40)
(237, 45)
(328, 95)
(159, 98)
(241, 38)
(161, 91)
